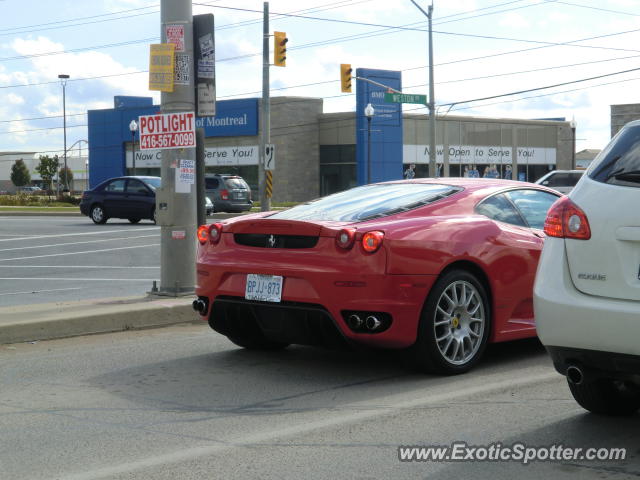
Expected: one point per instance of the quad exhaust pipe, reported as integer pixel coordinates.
(355, 322)
(199, 306)
(367, 322)
(372, 323)
(575, 374)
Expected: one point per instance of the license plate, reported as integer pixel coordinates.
(265, 288)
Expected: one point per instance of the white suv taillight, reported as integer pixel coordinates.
(566, 220)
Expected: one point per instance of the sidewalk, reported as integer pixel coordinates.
(26, 323)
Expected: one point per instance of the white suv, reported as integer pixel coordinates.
(587, 289)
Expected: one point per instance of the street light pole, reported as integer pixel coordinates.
(368, 112)
(432, 102)
(63, 80)
(133, 126)
(573, 124)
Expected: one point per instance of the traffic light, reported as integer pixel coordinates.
(345, 77)
(280, 49)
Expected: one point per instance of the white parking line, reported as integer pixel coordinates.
(75, 243)
(78, 253)
(57, 279)
(42, 291)
(100, 232)
(66, 267)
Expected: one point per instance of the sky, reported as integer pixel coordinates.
(482, 48)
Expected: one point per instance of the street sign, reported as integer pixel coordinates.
(204, 49)
(269, 156)
(165, 131)
(161, 66)
(405, 98)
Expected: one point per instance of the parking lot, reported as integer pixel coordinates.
(50, 258)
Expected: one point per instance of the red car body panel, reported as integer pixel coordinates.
(418, 245)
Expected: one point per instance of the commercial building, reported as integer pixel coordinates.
(320, 153)
(78, 164)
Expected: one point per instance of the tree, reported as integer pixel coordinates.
(47, 169)
(20, 175)
(65, 176)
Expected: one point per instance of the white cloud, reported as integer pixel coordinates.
(14, 99)
(514, 20)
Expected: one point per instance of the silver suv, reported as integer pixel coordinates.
(229, 193)
(562, 181)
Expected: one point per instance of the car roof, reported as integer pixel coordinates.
(470, 183)
(478, 188)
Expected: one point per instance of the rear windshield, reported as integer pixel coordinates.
(368, 202)
(236, 182)
(619, 162)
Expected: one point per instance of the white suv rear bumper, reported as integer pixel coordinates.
(566, 317)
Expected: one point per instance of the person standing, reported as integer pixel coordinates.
(410, 172)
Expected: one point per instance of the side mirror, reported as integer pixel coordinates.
(546, 182)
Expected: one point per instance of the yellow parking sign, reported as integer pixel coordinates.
(161, 66)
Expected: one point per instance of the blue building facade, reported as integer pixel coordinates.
(109, 132)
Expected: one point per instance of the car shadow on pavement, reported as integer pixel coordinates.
(232, 381)
(582, 430)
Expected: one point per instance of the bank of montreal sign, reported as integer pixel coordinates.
(218, 156)
(471, 154)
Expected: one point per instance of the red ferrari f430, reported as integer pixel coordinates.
(440, 267)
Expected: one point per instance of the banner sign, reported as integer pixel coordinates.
(167, 131)
(213, 157)
(473, 154)
(161, 66)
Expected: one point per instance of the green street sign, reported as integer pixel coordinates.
(405, 98)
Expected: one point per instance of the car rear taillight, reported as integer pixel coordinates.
(372, 241)
(211, 233)
(224, 194)
(566, 220)
(346, 238)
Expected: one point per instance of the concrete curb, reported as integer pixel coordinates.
(68, 319)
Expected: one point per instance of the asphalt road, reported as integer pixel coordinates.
(46, 259)
(184, 403)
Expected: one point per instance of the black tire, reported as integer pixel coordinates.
(134, 220)
(607, 397)
(153, 216)
(257, 343)
(435, 350)
(97, 214)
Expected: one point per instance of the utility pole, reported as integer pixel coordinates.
(176, 211)
(63, 80)
(432, 103)
(265, 137)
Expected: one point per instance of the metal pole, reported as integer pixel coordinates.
(265, 137)
(432, 103)
(368, 149)
(201, 208)
(64, 116)
(133, 151)
(176, 212)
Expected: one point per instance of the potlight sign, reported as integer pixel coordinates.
(168, 131)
